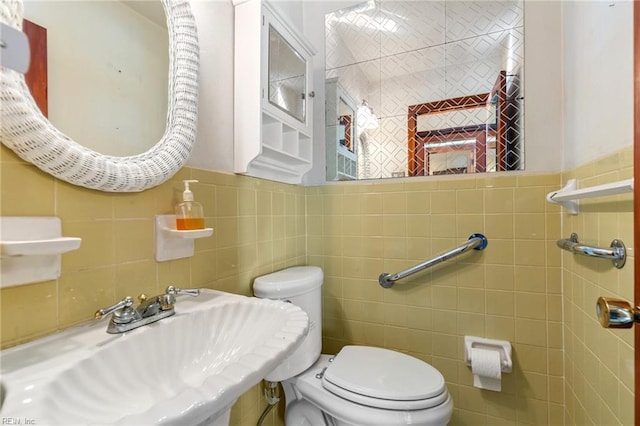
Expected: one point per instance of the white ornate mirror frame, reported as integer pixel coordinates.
(31, 136)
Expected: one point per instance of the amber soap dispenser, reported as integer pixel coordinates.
(189, 213)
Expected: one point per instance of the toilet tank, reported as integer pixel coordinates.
(302, 286)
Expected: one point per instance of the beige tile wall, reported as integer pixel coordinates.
(511, 290)
(599, 362)
(259, 227)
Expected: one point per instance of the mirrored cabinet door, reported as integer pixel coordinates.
(287, 87)
(286, 77)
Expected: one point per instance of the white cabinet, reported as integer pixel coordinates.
(273, 95)
(341, 132)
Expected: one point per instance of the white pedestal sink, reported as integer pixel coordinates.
(188, 369)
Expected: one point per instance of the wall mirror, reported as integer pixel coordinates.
(149, 153)
(442, 79)
(340, 132)
(346, 120)
(114, 97)
(286, 74)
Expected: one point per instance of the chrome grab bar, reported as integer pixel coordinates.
(475, 241)
(617, 251)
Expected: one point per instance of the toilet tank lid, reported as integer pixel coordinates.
(288, 282)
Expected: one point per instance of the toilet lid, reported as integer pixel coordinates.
(383, 378)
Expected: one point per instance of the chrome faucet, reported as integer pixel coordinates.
(125, 317)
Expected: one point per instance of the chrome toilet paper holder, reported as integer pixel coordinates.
(503, 346)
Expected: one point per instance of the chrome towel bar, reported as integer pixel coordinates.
(475, 241)
(617, 251)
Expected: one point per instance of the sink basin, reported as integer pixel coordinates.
(188, 369)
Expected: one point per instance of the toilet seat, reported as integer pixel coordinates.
(341, 412)
(382, 378)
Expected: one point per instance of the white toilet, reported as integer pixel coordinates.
(360, 385)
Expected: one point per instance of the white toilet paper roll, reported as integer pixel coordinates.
(486, 369)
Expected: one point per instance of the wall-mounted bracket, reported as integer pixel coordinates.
(172, 243)
(502, 346)
(617, 252)
(31, 249)
(568, 195)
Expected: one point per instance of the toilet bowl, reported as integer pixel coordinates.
(360, 385)
(343, 409)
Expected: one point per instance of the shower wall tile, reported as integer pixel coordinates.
(32, 195)
(598, 361)
(37, 318)
(513, 290)
(509, 291)
(260, 227)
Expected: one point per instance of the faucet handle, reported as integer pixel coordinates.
(169, 298)
(188, 291)
(127, 302)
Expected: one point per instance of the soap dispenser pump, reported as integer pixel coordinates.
(189, 213)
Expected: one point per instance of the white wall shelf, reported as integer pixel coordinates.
(31, 249)
(568, 195)
(172, 243)
(39, 247)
